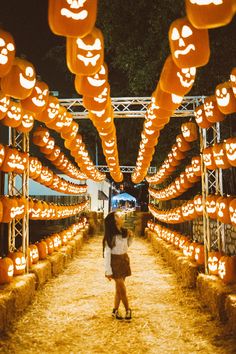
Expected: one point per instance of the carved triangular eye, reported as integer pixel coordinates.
(175, 36)
(186, 32)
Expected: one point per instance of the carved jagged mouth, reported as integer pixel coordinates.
(206, 2)
(185, 51)
(231, 155)
(3, 59)
(14, 116)
(82, 15)
(95, 82)
(184, 83)
(89, 61)
(27, 84)
(3, 108)
(223, 101)
(38, 103)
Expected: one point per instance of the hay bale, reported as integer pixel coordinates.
(230, 306)
(213, 294)
(57, 262)
(7, 309)
(42, 271)
(72, 243)
(187, 272)
(67, 252)
(79, 242)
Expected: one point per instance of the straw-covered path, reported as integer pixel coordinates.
(71, 314)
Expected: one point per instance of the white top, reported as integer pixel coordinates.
(121, 247)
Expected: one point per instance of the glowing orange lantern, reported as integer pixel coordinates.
(208, 158)
(225, 98)
(233, 80)
(189, 46)
(6, 270)
(200, 254)
(201, 119)
(222, 206)
(71, 134)
(48, 148)
(230, 150)
(182, 144)
(213, 262)
(92, 85)
(38, 99)
(220, 157)
(13, 117)
(167, 101)
(211, 208)
(212, 112)
(72, 18)
(189, 131)
(51, 110)
(20, 80)
(42, 249)
(19, 262)
(197, 200)
(196, 165)
(227, 269)
(4, 104)
(27, 122)
(7, 50)
(232, 211)
(2, 154)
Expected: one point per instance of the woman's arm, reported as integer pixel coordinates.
(107, 261)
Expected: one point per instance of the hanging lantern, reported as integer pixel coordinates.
(71, 134)
(209, 14)
(50, 111)
(85, 55)
(13, 117)
(232, 211)
(182, 144)
(196, 165)
(92, 85)
(200, 118)
(167, 101)
(38, 98)
(233, 80)
(7, 50)
(200, 254)
(178, 155)
(22, 207)
(227, 269)
(220, 157)
(35, 167)
(48, 148)
(189, 131)
(72, 18)
(189, 46)
(211, 207)
(213, 262)
(12, 158)
(41, 136)
(19, 262)
(9, 205)
(20, 80)
(230, 150)
(6, 270)
(197, 200)
(176, 80)
(212, 112)
(208, 158)
(98, 103)
(54, 154)
(225, 98)
(4, 104)
(27, 122)
(222, 206)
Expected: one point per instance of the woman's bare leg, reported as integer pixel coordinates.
(117, 297)
(120, 286)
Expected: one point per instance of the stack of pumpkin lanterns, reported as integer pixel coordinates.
(218, 263)
(85, 59)
(15, 263)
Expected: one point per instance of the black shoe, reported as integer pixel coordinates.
(128, 316)
(115, 314)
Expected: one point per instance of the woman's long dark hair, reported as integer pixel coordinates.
(111, 230)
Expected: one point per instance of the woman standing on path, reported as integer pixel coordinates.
(117, 266)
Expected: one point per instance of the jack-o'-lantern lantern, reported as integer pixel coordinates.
(51, 110)
(71, 134)
(48, 148)
(197, 200)
(225, 98)
(38, 98)
(98, 103)
(85, 55)
(42, 249)
(27, 122)
(50, 244)
(2, 154)
(34, 253)
(227, 269)
(41, 136)
(189, 46)
(189, 131)
(233, 80)
(232, 211)
(178, 155)
(54, 154)
(165, 100)
(7, 52)
(209, 13)
(212, 112)
(220, 157)
(211, 208)
(213, 262)
(176, 80)
(11, 159)
(230, 150)
(20, 80)
(192, 214)
(9, 205)
(92, 85)
(182, 144)
(59, 122)
(222, 206)
(19, 262)
(201, 119)
(72, 18)
(35, 167)
(6, 270)
(208, 158)
(22, 207)
(4, 104)
(200, 254)
(45, 177)
(191, 250)
(184, 182)
(13, 117)
(196, 165)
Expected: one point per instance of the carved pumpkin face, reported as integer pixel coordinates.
(72, 18)
(227, 269)
(198, 204)
(196, 165)
(13, 117)
(233, 80)
(7, 52)
(211, 206)
(189, 131)
(92, 85)
(27, 122)
(41, 136)
(2, 154)
(209, 13)
(208, 158)
(199, 254)
(38, 99)
(232, 211)
(222, 206)
(219, 154)
(19, 262)
(35, 167)
(200, 118)
(230, 150)
(48, 148)
(85, 55)
(71, 134)
(12, 159)
(213, 262)
(182, 144)
(98, 103)
(6, 270)
(20, 81)
(51, 110)
(176, 80)
(4, 104)
(225, 98)
(54, 154)
(189, 46)
(165, 100)
(212, 112)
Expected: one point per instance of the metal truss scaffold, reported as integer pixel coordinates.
(18, 184)
(124, 169)
(131, 107)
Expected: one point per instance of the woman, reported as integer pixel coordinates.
(117, 266)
